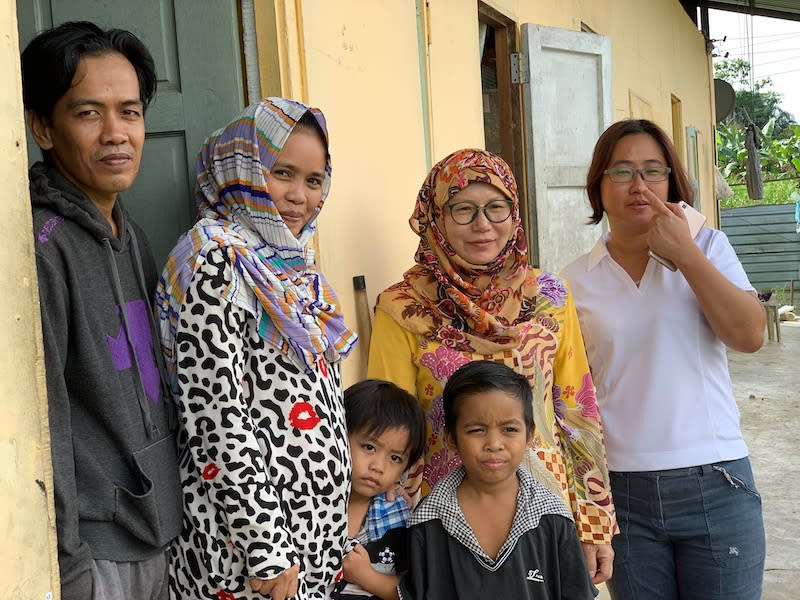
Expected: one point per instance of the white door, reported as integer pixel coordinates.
(567, 104)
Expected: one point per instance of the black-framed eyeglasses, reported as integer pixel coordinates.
(495, 211)
(628, 174)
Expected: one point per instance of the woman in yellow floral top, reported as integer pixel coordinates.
(472, 295)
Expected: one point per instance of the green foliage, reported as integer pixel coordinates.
(754, 100)
(775, 192)
(780, 157)
(731, 151)
(735, 71)
(780, 137)
(786, 151)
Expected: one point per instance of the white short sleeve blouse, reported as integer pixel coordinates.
(661, 373)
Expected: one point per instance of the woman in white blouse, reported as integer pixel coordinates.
(688, 510)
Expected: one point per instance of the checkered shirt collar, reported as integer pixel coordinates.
(533, 501)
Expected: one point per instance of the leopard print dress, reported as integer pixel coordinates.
(264, 460)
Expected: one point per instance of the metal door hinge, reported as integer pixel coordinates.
(519, 68)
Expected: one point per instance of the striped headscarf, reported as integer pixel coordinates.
(472, 308)
(296, 309)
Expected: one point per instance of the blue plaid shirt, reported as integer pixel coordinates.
(382, 516)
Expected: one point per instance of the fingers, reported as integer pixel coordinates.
(675, 210)
(279, 591)
(279, 588)
(294, 582)
(605, 563)
(590, 558)
(604, 571)
(660, 207)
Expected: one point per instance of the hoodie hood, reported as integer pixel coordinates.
(51, 190)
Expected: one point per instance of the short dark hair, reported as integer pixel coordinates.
(680, 186)
(481, 376)
(50, 60)
(372, 406)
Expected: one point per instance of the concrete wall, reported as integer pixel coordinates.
(27, 522)
(400, 84)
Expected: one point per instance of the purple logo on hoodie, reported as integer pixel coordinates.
(143, 344)
(47, 228)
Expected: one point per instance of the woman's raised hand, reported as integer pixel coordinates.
(669, 230)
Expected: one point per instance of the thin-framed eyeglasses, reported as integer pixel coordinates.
(628, 174)
(496, 211)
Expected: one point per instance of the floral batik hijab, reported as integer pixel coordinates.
(473, 308)
(296, 309)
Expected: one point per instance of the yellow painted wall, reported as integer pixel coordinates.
(362, 71)
(360, 62)
(455, 83)
(28, 564)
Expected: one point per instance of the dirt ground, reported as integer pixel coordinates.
(767, 389)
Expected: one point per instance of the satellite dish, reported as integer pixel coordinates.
(724, 99)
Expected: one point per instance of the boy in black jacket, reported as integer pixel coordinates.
(489, 529)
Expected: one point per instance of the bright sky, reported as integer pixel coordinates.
(772, 46)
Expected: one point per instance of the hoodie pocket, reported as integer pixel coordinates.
(154, 516)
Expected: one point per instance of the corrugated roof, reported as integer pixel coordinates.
(778, 9)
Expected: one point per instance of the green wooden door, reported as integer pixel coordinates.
(195, 44)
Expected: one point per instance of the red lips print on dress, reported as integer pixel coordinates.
(303, 416)
(210, 471)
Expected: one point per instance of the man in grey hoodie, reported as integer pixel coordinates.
(117, 492)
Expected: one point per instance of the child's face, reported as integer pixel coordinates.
(490, 436)
(378, 460)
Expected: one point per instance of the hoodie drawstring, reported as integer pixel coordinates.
(144, 406)
(166, 390)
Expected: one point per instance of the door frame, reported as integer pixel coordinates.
(509, 96)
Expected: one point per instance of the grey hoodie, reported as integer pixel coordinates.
(117, 491)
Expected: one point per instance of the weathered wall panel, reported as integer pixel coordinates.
(765, 240)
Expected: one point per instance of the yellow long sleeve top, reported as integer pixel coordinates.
(568, 433)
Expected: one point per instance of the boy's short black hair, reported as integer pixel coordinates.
(373, 406)
(50, 60)
(481, 376)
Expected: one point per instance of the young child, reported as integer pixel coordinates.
(489, 529)
(386, 430)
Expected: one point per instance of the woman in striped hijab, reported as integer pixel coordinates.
(253, 336)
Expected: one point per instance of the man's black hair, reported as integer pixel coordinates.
(372, 406)
(481, 376)
(50, 60)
